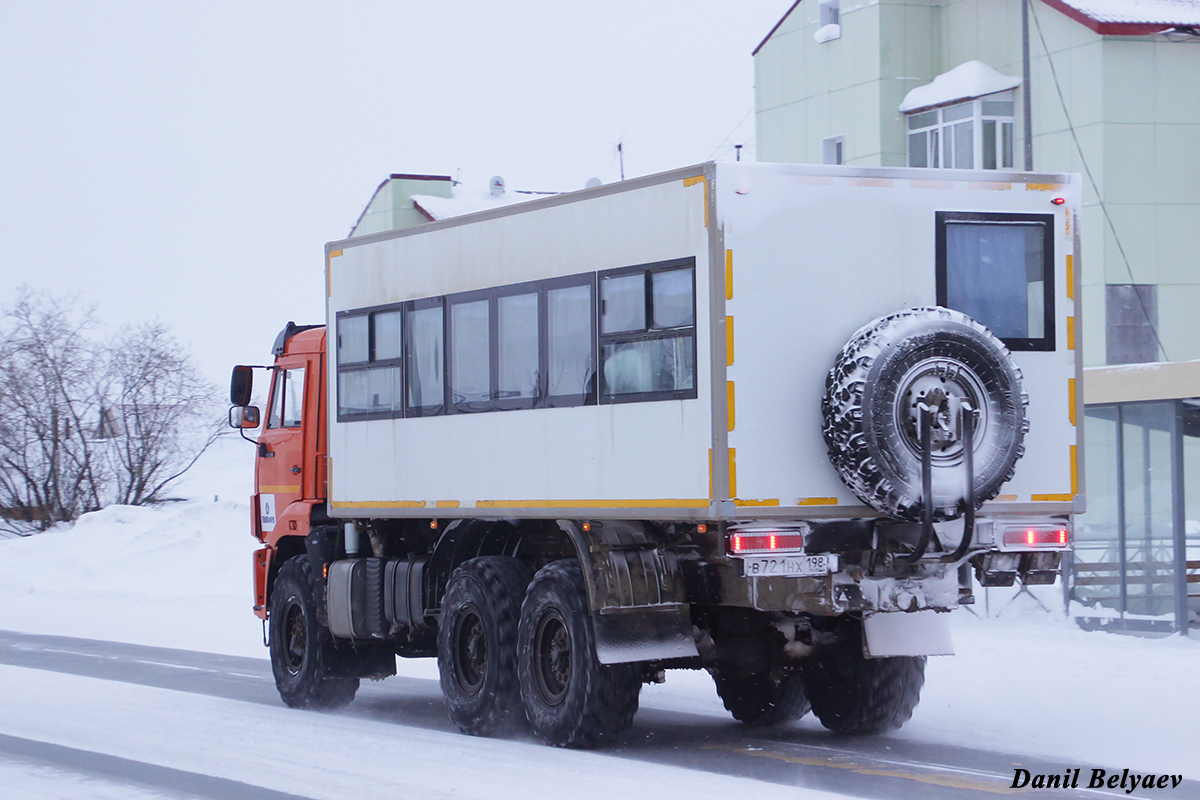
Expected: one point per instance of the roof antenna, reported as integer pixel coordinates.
(621, 157)
(738, 148)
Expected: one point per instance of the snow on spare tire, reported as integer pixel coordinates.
(870, 411)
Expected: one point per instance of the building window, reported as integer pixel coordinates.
(977, 134)
(998, 270)
(830, 21)
(648, 332)
(831, 150)
(1131, 313)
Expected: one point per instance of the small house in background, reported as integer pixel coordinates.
(1112, 95)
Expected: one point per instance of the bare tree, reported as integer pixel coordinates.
(160, 416)
(84, 423)
(50, 390)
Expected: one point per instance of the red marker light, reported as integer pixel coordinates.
(1058, 201)
(1037, 538)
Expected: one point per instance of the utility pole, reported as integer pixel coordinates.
(621, 157)
(1026, 99)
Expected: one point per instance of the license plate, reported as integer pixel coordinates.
(788, 566)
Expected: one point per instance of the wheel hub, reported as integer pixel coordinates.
(295, 633)
(946, 390)
(470, 650)
(552, 658)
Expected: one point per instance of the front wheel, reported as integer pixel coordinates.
(300, 644)
(855, 695)
(570, 698)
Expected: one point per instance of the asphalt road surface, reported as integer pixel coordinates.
(872, 767)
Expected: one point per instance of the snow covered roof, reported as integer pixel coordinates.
(972, 79)
(463, 200)
(1130, 17)
(1107, 17)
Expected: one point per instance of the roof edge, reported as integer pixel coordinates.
(786, 14)
(1107, 28)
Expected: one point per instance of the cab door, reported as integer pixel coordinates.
(281, 447)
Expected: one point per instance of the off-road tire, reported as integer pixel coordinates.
(763, 698)
(301, 647)
(855, 695)
(477, 645)
(570, 698)
(867, 395)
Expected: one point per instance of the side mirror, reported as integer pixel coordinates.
(243, 417)
(240, 386)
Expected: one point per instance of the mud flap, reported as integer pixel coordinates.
(920, 633)
(645, 633)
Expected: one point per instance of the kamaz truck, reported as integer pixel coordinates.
(770, 421)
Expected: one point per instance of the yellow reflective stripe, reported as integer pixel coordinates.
(1071, 399)
(1070, 333)
(1071, 277)
(1042, 187)
(733, 472)
(817, 501)
(729, 403)
(278, 489)
(378, 504)
(755, 503)
(729, 341)
(447, 504)
(692, 181)
(669, 503)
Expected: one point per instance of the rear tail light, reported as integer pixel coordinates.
(1036, 537)
(765, 542)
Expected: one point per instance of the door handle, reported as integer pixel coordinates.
(296, 470)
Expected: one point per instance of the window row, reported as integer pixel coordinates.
(531, 345)
(977, 134)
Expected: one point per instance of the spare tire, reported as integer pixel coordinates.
(870, 411)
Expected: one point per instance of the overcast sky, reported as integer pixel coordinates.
(187, 161)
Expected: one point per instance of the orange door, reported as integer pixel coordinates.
(281, 447)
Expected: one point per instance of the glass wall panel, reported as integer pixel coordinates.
(1097, 533)
(1190, 426)
(1149, 542)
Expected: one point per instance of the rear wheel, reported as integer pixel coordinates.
(301, 646)
(763, 698)
(855, 695)
(477, 644)
(570, 698)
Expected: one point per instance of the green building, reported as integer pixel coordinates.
(1113, 94)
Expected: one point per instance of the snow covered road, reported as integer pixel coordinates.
(212, 726)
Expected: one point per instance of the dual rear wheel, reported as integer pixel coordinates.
(516, 649)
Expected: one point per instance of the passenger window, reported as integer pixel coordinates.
(570, 359)
(623, 303)
(998, 269)
(470, 356)
(424, 363)
(293, 397)
(651, 356)
(353, 340)
(517, 347)
(387, 335)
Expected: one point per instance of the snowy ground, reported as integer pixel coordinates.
(179, 576)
